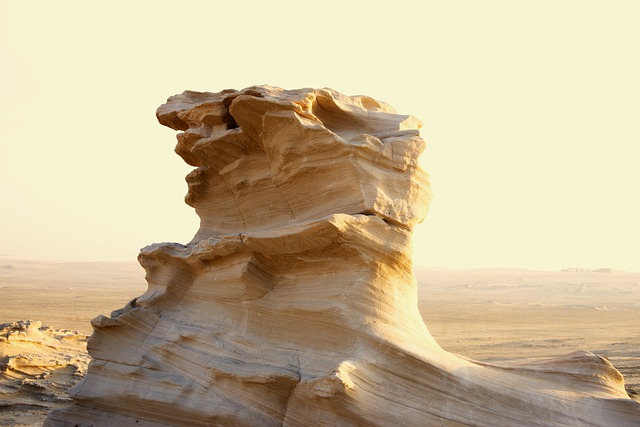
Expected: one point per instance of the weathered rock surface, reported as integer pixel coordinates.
(37, 366)
(295, 304)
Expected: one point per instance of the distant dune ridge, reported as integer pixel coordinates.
(295, 304)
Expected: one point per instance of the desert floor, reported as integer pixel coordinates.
(494, 315)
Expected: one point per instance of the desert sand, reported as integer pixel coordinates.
(493, 315)
(52, 356)
(506, 315)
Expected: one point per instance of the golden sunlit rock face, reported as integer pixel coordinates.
(295, 303)
(38, 364)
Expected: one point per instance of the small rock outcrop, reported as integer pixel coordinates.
(295, 303)
(37, 366)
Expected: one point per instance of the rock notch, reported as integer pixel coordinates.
(295, 303)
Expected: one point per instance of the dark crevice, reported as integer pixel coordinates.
(387, 220)
(228, 118)
(230, 121)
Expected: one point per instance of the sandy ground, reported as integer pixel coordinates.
(62, 296)
(492, 315)
(502, 315)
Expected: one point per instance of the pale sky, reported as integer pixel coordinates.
(531, 113)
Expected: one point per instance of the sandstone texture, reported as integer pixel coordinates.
(37, 366)
(295, 304)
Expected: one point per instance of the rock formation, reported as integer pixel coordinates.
(295, 303)
(37, 366)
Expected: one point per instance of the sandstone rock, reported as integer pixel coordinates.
(295, 303)
(37, 366)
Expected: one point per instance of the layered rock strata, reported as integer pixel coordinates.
(37, 366)
(295, 303)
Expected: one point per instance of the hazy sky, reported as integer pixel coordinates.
(531, 113)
